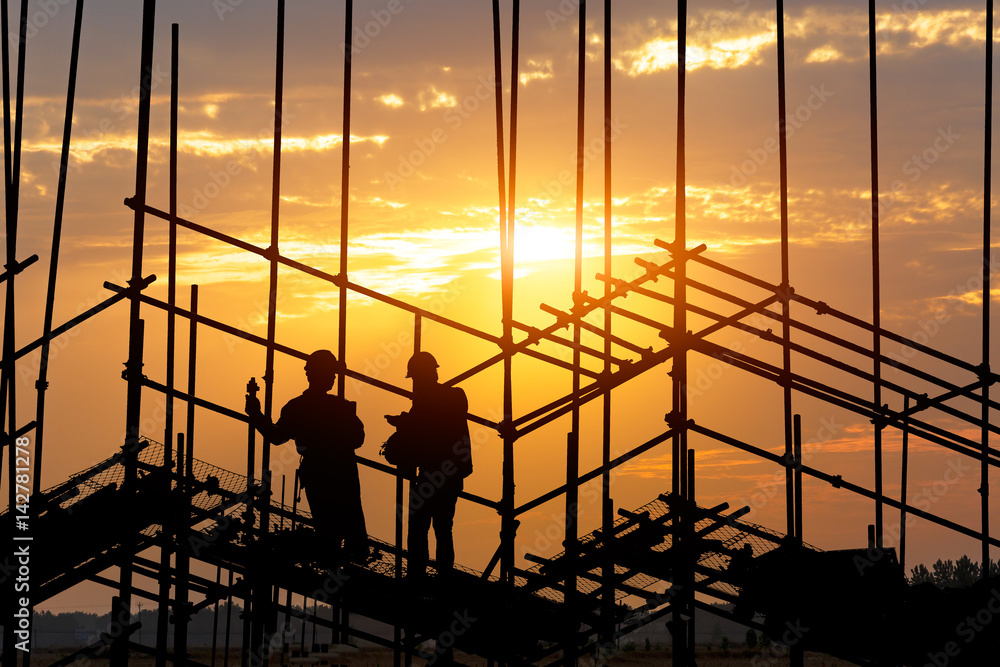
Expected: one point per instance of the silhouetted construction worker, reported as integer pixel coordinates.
(437, 430)
(326, 430)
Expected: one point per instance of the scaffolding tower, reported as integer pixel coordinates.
(672, 554)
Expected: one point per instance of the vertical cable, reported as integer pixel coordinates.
(876, 278)
(984, 489)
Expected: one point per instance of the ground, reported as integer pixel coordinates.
(384, 658)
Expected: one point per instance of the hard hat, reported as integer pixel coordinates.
(322, 360)
(419, 363)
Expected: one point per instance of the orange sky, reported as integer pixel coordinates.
(423, 211)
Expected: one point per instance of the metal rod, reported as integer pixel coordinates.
(838, 482)
(678, 374)
(183, 557)
(904, 469)
(797, 428)
(120, 650)
(8, 386)
(573, 438)
(50, 295)
(162, 621)
(263, 621)
(824, 308)
(345, 195)
(984, 485)
(786, 359)
(607, 504)
(954, 390)
(507, 308)
(876, 279)
(215, 617)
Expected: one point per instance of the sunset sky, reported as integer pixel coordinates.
(423, 225)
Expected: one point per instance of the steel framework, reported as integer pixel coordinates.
(229, 521)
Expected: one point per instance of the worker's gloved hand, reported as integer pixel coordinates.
(252, 406)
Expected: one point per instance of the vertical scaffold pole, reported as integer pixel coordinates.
(133, 370)
(785, 284)
(183, 558)
(679, 620)
(262, 613)
(904, 469)
(984, 488)
(607, 506)
(42, 384)
(345, 200)
(162, 620)
(507, 499)
(8, 388)
(876, 278)
(573, 441)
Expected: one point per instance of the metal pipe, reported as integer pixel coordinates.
(263, 621)
(571, 541)
(183, 558)
(607, 504)
(50, 295)
(679, 372)
(904, 469)
(876, 279)
(162, 621)
(984, 485)
(797, 428)
(119, 651)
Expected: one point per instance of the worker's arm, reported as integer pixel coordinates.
(271, 432)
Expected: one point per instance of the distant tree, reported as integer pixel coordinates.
(944, 573)
(765, 641)
(920, 574)
(952, 574)
(751, 638)
(967, 572)
(725, 644)
(649, 645)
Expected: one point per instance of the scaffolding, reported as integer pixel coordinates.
(672, 554)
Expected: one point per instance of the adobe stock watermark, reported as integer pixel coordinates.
(591, 152)
(929, 327)
(923, 500)
(794, 121)
(777, 652)
(121, 107)
(915, 167)
(967, 630)
(774, 484)
(394, 347)
(555, 531)
(453, 118)
(203, 195)
(47, 10)
(362, 36)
